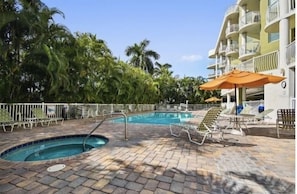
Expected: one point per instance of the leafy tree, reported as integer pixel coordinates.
(88, 68)
(162, 69)
(141, 57)
(33, 66)
(42, 61)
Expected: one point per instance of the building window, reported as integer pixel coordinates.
(273, 36)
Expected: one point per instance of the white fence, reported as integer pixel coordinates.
(21, 111)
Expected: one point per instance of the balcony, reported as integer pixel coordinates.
(290, 53)
(212, 53)
(232, 11)
(211, 66)
(232, 30)
(222, 49)
(249, 50)
(245, 66)
(250, 22)
(232, 50)
(266, 62)
(272, 17)
(260, 63)
(223, 64)
(211, 76)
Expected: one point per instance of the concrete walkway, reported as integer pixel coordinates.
(153, 161)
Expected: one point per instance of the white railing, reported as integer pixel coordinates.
(272, 12)
(212, 64)
(293, 103)
(222, 48)
(232, 9)
(290, 53)
(245, 66)
(232, 28)
(249, 18)
(232, 48)
(249, 48)
(21, 111)
(223, 64)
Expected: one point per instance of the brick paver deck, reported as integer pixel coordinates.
(152, 161)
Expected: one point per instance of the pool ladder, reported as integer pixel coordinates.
(100, 123)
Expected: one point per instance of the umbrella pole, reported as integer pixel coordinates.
(235, 100)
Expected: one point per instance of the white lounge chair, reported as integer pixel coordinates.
(43, 118)
(205, 129)
(257, 118)
(7, 121)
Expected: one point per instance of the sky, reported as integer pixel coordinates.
(181, 31)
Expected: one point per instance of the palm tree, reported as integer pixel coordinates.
(162, 69)
(141, 57)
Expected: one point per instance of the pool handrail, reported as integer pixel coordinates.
(97, 126)
(126, 121)
(85, 139)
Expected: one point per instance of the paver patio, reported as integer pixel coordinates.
(152, 161)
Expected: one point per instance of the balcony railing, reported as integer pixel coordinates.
(258, 64)
(244, 66)
(290, 53)
(272, 12)
(232, 9)
(211, 65)
(211, 76)
(266, 62)
(232, 29)
(223, 64)
(222, 49)
(249, 49)
(293, 103)
(249, 18)
(232, 48)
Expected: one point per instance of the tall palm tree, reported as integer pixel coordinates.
(141, 57)
(162, 69)
(44, 59)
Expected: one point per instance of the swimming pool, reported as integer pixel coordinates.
(157, 118)
(53, 148)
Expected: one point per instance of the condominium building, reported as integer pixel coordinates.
(258, 36)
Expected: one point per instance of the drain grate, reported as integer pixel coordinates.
(56, 167)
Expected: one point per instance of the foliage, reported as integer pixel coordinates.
(42, 61)
(141, 57)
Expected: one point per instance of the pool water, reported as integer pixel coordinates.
(53, 148)
(158, 118)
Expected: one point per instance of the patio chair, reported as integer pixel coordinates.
(6, 120)
(285, 121)
(43, 118)
(205, 129)
(257, 118)
(228, 111)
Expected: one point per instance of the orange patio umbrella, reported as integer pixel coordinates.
(239, 79)
(213, 99)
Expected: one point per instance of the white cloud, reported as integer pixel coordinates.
(191, 58)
